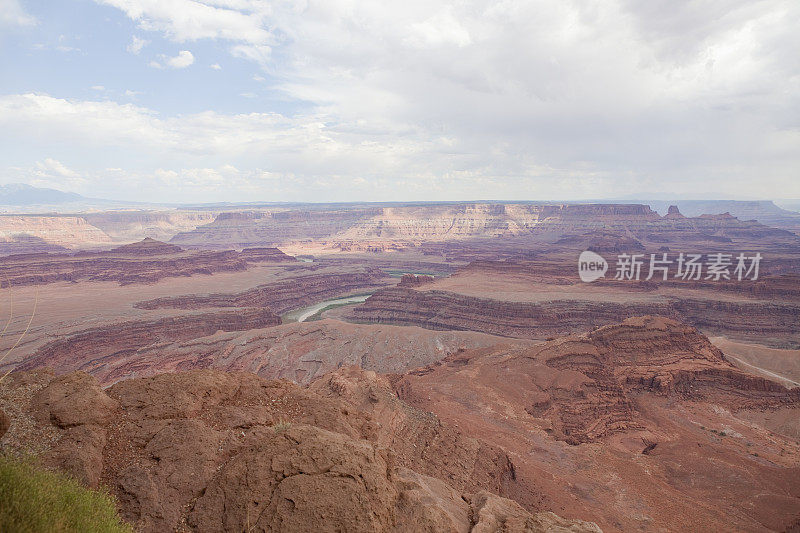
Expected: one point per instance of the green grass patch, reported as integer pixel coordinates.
(36, 500)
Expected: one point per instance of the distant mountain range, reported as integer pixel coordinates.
(24, 195)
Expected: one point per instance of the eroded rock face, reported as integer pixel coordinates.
(418, 439)
(147, 261)
(215, 451)
(584, 384)
(442, 310)
(600, 419)
(653, 354)
(280, 296)
(99, 343)
(375, 229)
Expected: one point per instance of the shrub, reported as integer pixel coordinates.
(281, 426)
(36, 500)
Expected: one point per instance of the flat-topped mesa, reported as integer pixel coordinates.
(147, 246)
(240, 215)
(721, 216)
(594, 210)
(266, 255)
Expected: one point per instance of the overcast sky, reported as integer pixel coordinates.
(336, 100)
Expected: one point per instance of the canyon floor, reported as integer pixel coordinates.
(367, 368)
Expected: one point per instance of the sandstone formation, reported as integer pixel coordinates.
(647, 408)
(674, 212)
(131, 226)
(23, 244)
(473, 227)
(59, 230)
(210, 451)
(146, 246)
(300, 352)
(269, 228)
(281, 296)
(651, 354)
(445, 310)
(109, 343)
(479, 225)
(764, 211)
(144, 262)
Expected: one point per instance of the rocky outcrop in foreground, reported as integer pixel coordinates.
(210, 451)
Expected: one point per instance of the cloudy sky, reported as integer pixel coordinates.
(336, 100)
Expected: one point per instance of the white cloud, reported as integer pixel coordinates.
(98, 88)
(51, 166)
(136, 45)
(322, 158)
(182, 60)
(216, 66)
(12, 14)
(52, 173)
(441, 29)
(187, 20)
(531, 99)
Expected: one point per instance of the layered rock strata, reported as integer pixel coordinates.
(446, 310)
(144, 262)
(109, 343)
(280, 296)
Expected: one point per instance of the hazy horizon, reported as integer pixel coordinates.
(111, 203)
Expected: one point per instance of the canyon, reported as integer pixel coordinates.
(660, 412)
(535, 300)
(439, 365)
(388, 227)
(146, 261)
(176, 448)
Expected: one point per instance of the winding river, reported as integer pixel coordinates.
(304, 313)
